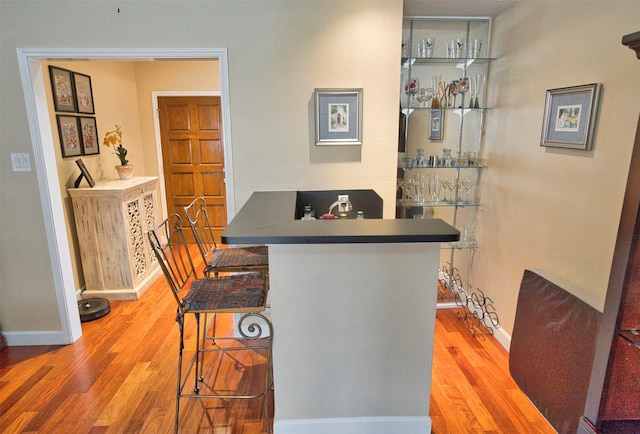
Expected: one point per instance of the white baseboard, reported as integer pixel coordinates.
(19, 339)
(502, 337)
(355, 425)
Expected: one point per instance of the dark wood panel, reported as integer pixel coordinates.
(623, 396)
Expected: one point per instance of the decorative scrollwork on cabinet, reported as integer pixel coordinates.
(111, 221)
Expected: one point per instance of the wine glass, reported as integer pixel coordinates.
(424, 96)
(445, 189)
(411, 89)
(452, 90)
(452, 186)
(467, 185)
(463, 87)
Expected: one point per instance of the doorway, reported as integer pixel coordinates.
(31, 72)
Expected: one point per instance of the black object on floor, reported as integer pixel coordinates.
(93, 308)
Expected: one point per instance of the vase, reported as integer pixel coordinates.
(125, 172)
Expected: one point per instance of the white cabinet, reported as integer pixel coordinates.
(112, 220)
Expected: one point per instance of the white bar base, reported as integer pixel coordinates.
(355, 425)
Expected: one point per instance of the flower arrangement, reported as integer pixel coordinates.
(114, 138)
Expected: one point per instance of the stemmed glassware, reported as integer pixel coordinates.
(445, 188)
(422, 182)
(452, 186)
(411, 89)
(477, 85)
(434, 188)
(424, 96)
(411, 184)
(472, 92)
(435, 81)
(463, 87)
(453, 90)
(467, 185)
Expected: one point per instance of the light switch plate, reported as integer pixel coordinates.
(20, 162)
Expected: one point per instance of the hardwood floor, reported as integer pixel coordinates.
(120, 377)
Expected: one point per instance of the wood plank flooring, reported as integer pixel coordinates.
(120, 377)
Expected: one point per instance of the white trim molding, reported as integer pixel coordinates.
(355, 425)
(33, 83)
(17, 339)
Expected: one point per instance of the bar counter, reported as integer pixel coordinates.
(268, 218)
(353, 307)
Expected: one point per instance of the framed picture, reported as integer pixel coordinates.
(84, 173)
(84, 94)
(338, 116)
(69, 135)
(62, 88)
(435, 124)
(570, 117)
(89, 135)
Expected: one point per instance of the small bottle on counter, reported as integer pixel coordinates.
(360, 215)
(307, 213)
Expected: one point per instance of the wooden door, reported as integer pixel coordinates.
(193, 156)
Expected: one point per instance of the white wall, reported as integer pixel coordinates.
(551, 209)
(168, 76)
(278, 50)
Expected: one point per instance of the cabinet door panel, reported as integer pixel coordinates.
(631, 303)
(624, 387)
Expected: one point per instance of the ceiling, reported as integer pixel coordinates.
(466, 8)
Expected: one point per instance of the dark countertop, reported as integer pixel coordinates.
(268, 218)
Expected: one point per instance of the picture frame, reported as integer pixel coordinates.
(83, 93)
(64, 99)
(338, 116)
(89, 136)
(436, 119)
(69, 132)
(570, 117)
(84, 173)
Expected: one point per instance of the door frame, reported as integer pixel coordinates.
(33, 83)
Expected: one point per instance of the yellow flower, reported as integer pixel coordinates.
(113, 138)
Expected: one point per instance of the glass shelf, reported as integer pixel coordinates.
(447, 61)
(477, 166)
(450, 109)
(457, 246)
(407, 203)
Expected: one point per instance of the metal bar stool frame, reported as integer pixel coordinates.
(242, 293)
(230, 259)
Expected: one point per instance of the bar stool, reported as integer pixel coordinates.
(244, 293)
(231, 259)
